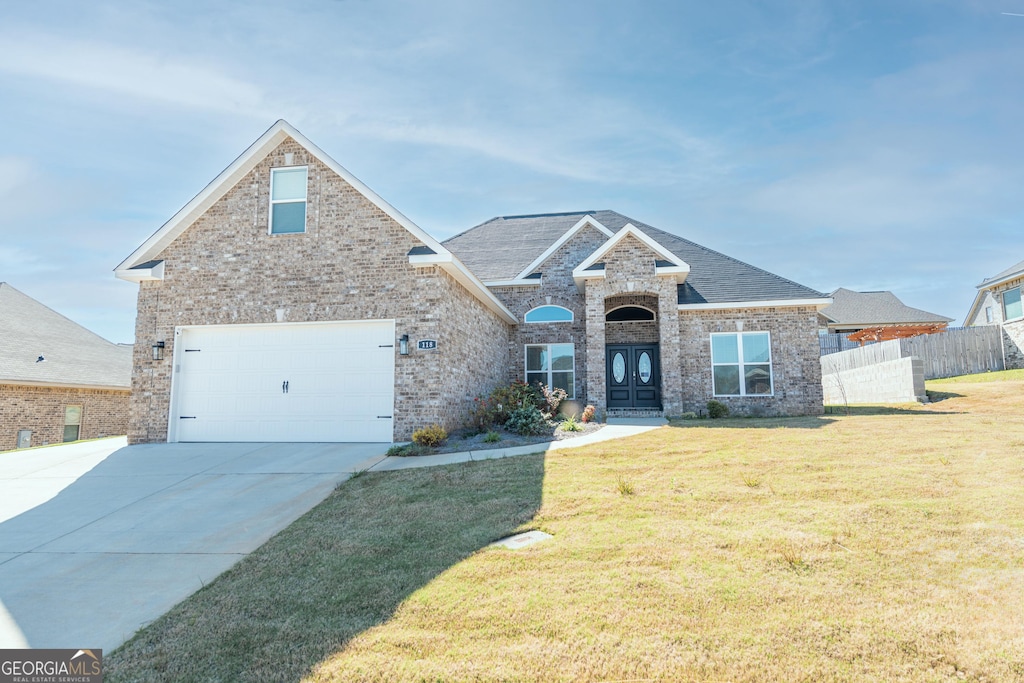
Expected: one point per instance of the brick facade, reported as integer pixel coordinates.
(796, 365)
(350, 264)
(41, 410)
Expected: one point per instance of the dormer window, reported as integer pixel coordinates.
(288, 200)
(549, 314)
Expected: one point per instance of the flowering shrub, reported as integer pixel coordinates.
(552, 398)
(588, 414)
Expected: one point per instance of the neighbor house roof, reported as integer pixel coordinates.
(499, 249)
(72, 355)
(1016, 270)
(875, 308)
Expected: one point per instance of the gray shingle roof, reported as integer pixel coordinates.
(502, 247)
(1015, 269)
(73, 355)
(875, 308)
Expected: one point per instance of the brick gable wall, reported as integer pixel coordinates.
(350, 264)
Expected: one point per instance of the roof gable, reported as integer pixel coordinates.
(582, 223)
(143, 263)
(667, 264)
(229, 177)
(72, 355)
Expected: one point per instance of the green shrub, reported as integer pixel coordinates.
(410, 449)
(496, 408)
(492, 437)
(527, 420)
(689, 416)
(432, 435)
(570, 424)
(716, 409)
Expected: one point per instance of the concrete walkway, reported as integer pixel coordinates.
(98, 539)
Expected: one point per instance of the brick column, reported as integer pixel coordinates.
(596, 394)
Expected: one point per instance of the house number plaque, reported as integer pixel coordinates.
(426, 344)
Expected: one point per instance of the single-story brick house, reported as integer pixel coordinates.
(58, 381)
(289, 302)
(998, 302)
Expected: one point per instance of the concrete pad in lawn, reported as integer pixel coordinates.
(147, 526)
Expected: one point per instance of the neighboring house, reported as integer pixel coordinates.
(855, 311)
(998, 302)
(292, 303)
(58, 381)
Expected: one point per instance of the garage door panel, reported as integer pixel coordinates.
(340, 382)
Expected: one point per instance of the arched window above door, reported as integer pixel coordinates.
(629, 314)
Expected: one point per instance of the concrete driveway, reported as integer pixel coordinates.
(98, 539)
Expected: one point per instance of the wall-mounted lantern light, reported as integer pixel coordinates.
(403, 345)
(158, 351)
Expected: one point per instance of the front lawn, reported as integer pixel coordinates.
(882, 546)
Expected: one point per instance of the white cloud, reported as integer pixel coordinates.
(127, 71)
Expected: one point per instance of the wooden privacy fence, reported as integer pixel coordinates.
(957, 351)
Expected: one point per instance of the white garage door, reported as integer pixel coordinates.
(285, 382)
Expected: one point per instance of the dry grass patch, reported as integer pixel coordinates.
(871, 547)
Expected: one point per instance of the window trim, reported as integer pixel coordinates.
(526, 370)
(274, 202)
(78, 432)
(1002, 299)
(741, 363)
(990, 316)
(526, 316)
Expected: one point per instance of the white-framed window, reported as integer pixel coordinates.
(72, 423)
(1012, 308)
(989, 314)
(553, 365)
(288, 200)
(741, 364)
(548, 314)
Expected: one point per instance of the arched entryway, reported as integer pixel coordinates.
(632, 358)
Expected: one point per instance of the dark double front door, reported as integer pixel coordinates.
(634, 376)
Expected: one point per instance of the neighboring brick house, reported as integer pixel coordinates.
(291, 303)
(998, 302)
(852, 311)
(58, 381)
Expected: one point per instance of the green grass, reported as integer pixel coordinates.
(999, 376)
(865, 547)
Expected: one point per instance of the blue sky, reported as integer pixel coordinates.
(868, 145)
